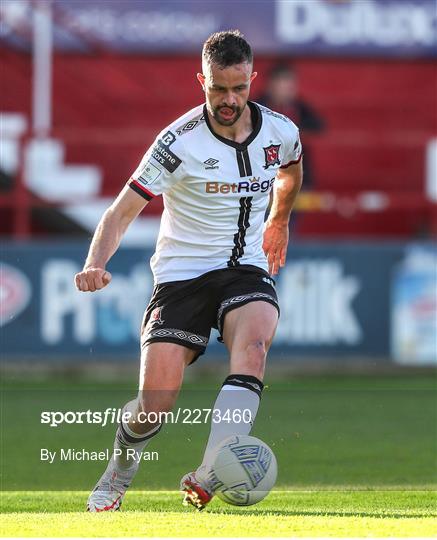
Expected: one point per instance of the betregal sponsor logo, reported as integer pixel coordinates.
(251, 186)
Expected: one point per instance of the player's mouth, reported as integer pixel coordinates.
(227, 112)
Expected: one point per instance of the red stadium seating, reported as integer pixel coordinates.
(379, 115)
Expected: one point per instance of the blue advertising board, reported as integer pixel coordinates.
(299, 27)
(336, 301)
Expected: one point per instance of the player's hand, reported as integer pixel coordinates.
(275, 244)
(92, 279)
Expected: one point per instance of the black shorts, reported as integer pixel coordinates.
(184, 312)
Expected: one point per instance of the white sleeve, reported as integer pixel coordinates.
(293, 146)
(161, 167)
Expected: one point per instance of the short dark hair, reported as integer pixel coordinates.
(226, 49)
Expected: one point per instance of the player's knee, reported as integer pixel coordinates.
(256, 352)
(257, 347)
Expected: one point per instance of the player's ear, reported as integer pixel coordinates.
(254, 74)
(201, 79)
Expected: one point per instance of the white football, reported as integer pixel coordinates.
(243, 471)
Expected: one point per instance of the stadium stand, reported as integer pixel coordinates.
(370, 163)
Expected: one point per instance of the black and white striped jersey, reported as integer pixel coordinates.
(215, 191)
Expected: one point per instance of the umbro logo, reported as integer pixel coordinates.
(254, 385)
(211, 163)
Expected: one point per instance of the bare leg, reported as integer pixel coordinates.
(161, 375)
(248, 332)
(162, 369)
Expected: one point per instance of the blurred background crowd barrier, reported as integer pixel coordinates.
(86, 86)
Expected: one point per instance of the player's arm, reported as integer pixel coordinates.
(107, 238)
(275, 243)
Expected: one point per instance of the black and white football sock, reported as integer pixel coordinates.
(128, 445)
(236, 407)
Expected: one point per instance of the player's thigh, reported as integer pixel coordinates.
(161, 374)
(251, 325)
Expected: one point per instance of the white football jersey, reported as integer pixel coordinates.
(216, 191)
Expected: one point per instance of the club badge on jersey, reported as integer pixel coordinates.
(271, 155)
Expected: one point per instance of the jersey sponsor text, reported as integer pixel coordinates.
(240, 187)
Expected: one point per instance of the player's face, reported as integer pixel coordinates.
(226, 91)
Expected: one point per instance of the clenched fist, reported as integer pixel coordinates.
(92, 279)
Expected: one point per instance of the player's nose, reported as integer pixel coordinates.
(229, 99)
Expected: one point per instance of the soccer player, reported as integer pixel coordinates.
(216, 168)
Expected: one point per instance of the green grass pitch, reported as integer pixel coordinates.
(356, 457)
(282, 514)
